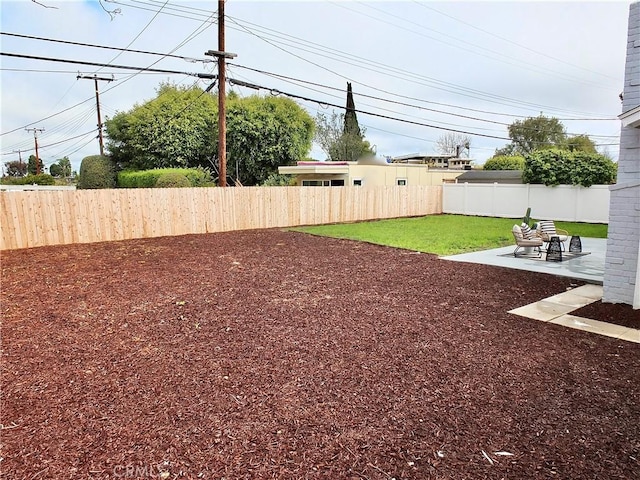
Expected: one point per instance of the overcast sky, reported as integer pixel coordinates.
(421, 67)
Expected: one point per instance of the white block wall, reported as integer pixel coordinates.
(623, 244)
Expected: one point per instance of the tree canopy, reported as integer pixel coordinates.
(34, 165)
(504, 162)
(175, 129)
(16, 168)
(338, 144)
(536, 133)
(179, 128)
(61, 168)
(560, 166)
(263, 133)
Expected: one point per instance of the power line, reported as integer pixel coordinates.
(96, 64)
(313, 83)
(475, 27)
(297, 42)
(421, 33)
(93, 45)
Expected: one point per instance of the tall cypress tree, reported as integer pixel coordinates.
(351, 126)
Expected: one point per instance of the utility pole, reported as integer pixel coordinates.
(95, 79)
(19, 152)
(222, 117)
(35, 139)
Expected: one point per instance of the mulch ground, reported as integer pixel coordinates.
(269, 354)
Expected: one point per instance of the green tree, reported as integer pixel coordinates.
(55, 170)
(557, 166)
(338, 145)
(96, 171)
(33, 165)
(536, 133)
(179, 129)
(264, 133)
(581, 143)
(61, 168)
(175, 129)
(504, 162)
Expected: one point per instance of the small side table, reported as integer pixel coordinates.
(554, 250)
(575, 244)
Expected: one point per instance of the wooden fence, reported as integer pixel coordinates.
(40, 218)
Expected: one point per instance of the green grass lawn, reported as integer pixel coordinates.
(442, 234)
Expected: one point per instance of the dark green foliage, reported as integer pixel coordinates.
(32, 165)
(504, 162)
(55, 170)
(264, 133)
(179, 129)
(338, 145)
(96, 171)
(172, 180)
(42, 179)
(351, 126)
(581, 143)
(197, 177)
(61, 168)
(563, 167)
(277, 180)
(16, 168)
(537, 133)
(175, 129)
(527, 216)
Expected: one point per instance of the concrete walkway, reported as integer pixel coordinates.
(557, 308)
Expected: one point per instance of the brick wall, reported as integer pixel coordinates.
(623, 243)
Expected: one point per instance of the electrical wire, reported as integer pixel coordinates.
(507, 40)
(526, 65)
(92, 45)
(313, 83)
(359, 62)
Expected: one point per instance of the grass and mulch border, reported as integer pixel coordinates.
(442, 234)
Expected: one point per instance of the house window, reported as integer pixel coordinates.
(337, 183)
(401, 182)
(316, 183)
(357, 182)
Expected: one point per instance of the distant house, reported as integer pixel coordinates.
(622, 265)
(491, 176)
(369, 172)
(450, 162)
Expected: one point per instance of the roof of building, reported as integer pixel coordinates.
(490, 176)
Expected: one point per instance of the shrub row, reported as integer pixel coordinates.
(42, 179)
(165, 177)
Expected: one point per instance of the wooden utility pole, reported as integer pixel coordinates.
(222, 115)
(95, 79)
(35, 139)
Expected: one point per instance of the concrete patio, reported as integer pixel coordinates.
(588, 268)
(557, 309)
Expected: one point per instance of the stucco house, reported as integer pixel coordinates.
(621, 282)
(369, 172)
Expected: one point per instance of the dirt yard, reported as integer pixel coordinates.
(269, 354)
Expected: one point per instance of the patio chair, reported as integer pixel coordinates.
(547, 229)
(527, 239)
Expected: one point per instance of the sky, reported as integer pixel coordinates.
(419, 69)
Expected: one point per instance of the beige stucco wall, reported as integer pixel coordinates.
(378, 175)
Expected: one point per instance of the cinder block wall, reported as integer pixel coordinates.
(623, 243)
